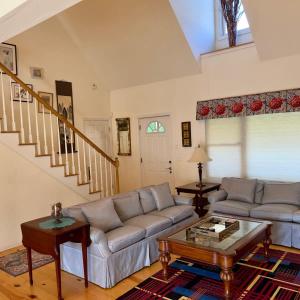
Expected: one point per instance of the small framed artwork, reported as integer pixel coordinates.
(186, 134)
(8, 57)
(36, 73)
(47, 97)
(21, 94)
(124, 136)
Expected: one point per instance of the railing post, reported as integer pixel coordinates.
(117, 164)
(3, 104)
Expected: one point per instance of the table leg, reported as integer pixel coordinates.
(227, 276)
(164, 257)
(29, 260)
(84, 256)
(197, 200)
(267, 242)
(58, 272)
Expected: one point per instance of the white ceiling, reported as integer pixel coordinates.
(130, 42)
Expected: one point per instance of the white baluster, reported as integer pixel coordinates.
(80, 180)
(21, 117)
(52, 139)
(72, 151)
(29, 117)
(111, 179)
(106, 178)
(3, 105)
(59, 144)
(66, 151)
(90, 169)
(101, 177)
(12, 107)
(84, 162)
(96, 171)
(44, 127)
(38, 142)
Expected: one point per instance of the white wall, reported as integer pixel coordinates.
(225, 73)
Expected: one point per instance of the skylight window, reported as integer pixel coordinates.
(242, 24)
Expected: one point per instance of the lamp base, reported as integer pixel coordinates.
(200, 184)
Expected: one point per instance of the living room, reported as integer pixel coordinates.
(145, 65)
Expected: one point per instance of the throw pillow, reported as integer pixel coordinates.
(286, 193)
(127, 205)
(240, 189)
(147, 200)
(102, 215)
(162, 196)
(75, 212)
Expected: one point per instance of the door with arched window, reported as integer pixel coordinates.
(156, 150)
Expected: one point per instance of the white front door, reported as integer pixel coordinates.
(99, 132)
(156, 150)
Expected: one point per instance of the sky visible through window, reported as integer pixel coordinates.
(243, 22)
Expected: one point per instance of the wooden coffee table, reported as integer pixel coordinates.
(223, 254)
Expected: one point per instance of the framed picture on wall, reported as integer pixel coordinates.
(47, 97)
(186, 134)
(64, 96)
(124, 136)
(20, 93)
(8, 57)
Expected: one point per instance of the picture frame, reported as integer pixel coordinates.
(186, 134)
(124, 136)
(8, 57)
(15, 93)
(47, 97)
(36, 73)
(64, 97)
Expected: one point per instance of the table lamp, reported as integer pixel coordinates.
(199, 156)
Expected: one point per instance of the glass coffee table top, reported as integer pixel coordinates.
(245, 227)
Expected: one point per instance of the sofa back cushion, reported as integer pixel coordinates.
(102, 214)
(259, 191)
(147, 199)
(127, 205)
(239, 189)
(282, 193)
(162, 196)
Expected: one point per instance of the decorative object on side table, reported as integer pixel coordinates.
(186, 134)
(199, 156)
(57, 212)
(199, 200)
(48, 241)
(124, 138)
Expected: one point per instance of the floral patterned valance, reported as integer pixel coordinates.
(264, 103)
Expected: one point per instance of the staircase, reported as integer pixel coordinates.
(39, 133)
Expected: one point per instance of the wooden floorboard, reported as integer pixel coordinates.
(44, 288)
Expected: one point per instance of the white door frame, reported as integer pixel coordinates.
(149, 116)
(109, 120)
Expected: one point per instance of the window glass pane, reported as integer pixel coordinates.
(273, 146)
(242, 22)
(155, 127)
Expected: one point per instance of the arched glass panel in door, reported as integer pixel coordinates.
(155, 127)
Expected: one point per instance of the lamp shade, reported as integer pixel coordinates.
(199, 156)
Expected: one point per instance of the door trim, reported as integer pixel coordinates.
(150, 116)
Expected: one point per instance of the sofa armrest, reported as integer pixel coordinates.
(98, 237)
(217, 196)
(181, 200)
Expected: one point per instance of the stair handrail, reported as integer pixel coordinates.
(62, 119)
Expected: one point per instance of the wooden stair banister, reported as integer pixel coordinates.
(77, 133)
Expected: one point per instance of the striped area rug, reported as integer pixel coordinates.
(255, 279)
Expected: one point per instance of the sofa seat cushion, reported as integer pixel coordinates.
(127, 205)
(123, 237)
(175, 213)
(276, 212)
(240, 189)
(152, 224)
(232, 207)
(296, 216)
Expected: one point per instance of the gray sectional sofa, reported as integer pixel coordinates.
(124, 232)
(275, 201)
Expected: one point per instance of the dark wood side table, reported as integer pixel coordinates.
(47, 241)
(199, 199)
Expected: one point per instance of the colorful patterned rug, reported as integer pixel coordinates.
(16, 263)
(255, 279)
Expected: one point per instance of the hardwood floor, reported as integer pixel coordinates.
(44, 288)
